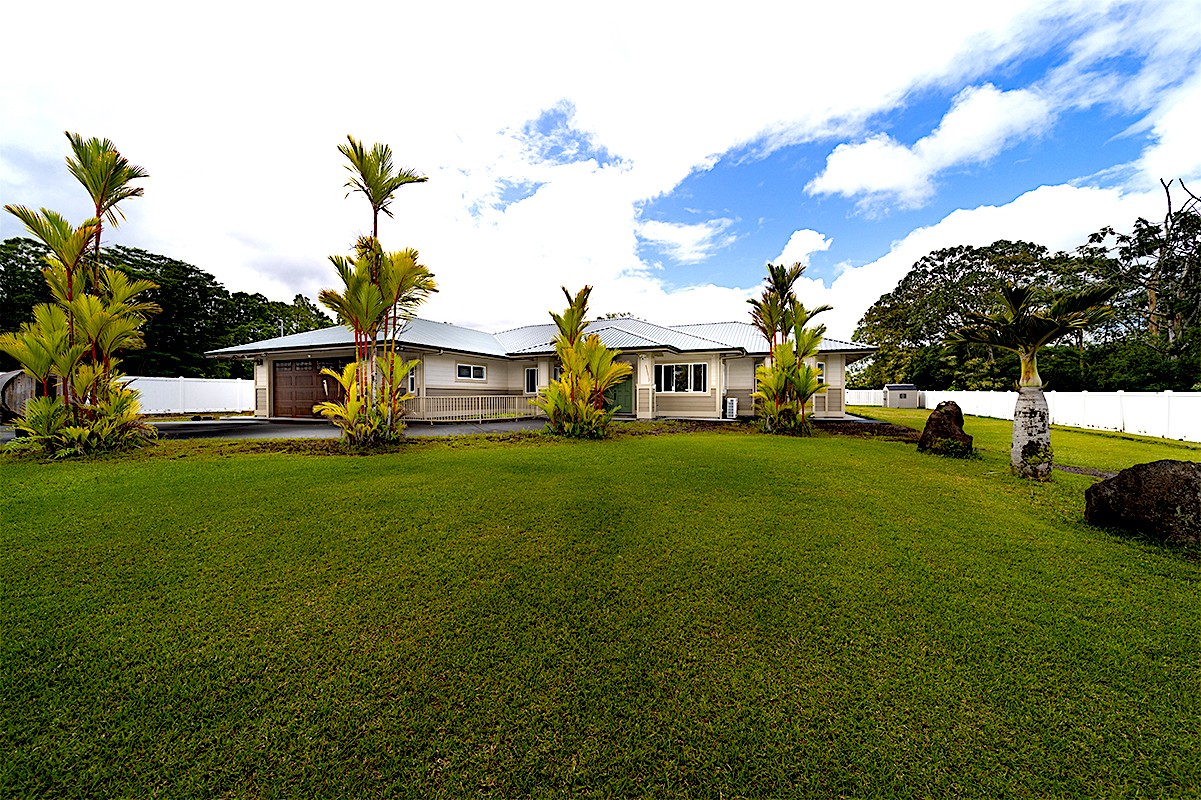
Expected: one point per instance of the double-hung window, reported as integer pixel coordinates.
(682, 377)
(471, 372)
(821, 372)
(531, 380)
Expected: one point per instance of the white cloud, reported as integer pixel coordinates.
(981, 123)
(1175, 152)
(688, 244)
(801, 245)
(238, 123)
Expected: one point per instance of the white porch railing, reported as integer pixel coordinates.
(475, 407)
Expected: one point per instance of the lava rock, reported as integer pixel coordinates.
(944, 434)
(1161, 499)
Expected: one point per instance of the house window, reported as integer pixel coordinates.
(558, 371)
(413, 381)
(681, 377)
(821, 372)
(471, 372)
(531, 380)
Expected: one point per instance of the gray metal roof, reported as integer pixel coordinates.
(746, 336)
(529, 337)
(417, 333)
(625, 333)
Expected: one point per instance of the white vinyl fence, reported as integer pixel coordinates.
(193, 395)
(1170, 415)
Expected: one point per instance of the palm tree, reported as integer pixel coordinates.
(106, 174)
(1024, 326)
(372, 173)
(774, 311)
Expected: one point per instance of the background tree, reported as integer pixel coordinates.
(910, 324)
(199, 313)
(22, 286)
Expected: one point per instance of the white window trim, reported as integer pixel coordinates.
(471, 369)
(691, 366)
(528, 370)
(821, 371)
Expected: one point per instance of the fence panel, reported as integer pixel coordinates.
(193, 395)
(865, 397)
(1171, 415)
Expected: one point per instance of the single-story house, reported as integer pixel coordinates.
(681, 371)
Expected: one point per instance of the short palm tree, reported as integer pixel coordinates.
(106, 175)
(1024, 326)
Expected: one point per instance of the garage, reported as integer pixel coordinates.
(299, 385)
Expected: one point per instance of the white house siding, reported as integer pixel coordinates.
(261, 372)
(740, 382)
(687, 404)
(440, 375)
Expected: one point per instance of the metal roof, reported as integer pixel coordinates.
(416, 333)
(624, 333)
(746, 336)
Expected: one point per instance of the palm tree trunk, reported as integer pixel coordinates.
(1030, 454)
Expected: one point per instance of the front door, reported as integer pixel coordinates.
(621, 396)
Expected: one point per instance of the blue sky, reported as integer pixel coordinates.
(662, 153)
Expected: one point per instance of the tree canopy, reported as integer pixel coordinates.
(1151, 342)
(199, 313)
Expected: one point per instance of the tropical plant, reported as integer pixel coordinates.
(374, 175)
(379, 290)
(785, 386)
(773, 311)
(575, 402)
(1024, 326)
(106, 175)
(71, 344)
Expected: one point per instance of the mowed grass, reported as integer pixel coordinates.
(1107, 451)
(700, 615)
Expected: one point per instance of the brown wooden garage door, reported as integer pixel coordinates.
(296, 384)
(299, 385)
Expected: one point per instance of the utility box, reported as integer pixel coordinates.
(900, 395)
(731, 408)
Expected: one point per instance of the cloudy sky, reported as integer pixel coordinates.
(661, 152)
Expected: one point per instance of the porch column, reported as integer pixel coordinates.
(644, 386)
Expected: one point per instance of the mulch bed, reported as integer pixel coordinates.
(867, 430)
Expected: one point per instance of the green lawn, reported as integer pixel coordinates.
(693, 615)
(1101, 450)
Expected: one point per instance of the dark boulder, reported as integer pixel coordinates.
(1161, 499)
(944, 434)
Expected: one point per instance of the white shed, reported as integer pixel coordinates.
(900, 395)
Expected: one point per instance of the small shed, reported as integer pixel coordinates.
(15, 390)
(900, 395)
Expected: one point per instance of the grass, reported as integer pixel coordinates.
(1079, 447)
(696, 615)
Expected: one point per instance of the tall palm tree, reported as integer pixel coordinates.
(106, 174)
(1024, 327)
(373, 174)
